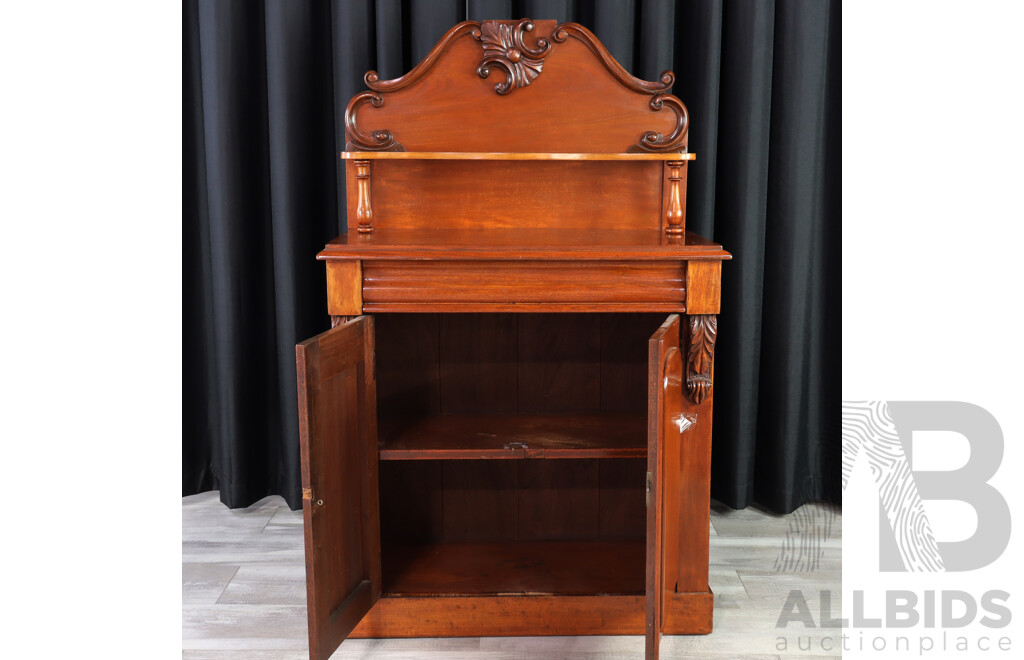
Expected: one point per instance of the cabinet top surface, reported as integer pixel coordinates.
(511, 155)
(520, 244)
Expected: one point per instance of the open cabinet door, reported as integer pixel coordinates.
(338, 433)
(664, 409)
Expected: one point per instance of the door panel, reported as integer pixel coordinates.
(665, 406)
(338, 437)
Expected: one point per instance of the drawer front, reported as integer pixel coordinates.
(641, 284)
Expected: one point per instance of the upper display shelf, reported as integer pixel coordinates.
(500, 155)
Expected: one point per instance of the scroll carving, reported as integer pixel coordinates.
(378, 140)
(504, 47)
(652, 141)
(565, 30)
(703, 332)
(372, 78)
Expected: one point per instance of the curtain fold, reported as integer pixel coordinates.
(742, 204)
(264, 93)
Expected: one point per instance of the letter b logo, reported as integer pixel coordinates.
(883, 431)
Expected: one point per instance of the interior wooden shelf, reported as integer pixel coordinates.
(506, 155)
(520, 568)
(515, 437)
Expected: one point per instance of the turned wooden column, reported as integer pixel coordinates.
(364, 207)
(674, 214)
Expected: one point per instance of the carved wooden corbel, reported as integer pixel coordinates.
(703, 332)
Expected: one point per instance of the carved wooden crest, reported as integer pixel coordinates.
(424, 109)
(504, 47)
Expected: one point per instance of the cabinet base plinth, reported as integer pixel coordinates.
(689, 613)
(510, 616)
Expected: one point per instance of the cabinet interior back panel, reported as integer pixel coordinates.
(451, 364)
(430, 364)
(426, 194)
(528, 500)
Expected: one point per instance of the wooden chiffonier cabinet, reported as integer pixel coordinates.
(507, 431)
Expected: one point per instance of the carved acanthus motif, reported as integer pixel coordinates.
(379, 140)
(504, 47)
(703, 332)
(656, 142)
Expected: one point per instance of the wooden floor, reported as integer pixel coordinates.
(244, 594)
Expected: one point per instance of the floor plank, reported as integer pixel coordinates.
(203, 584)
(266, 584)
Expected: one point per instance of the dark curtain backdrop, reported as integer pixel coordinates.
(265, 87)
